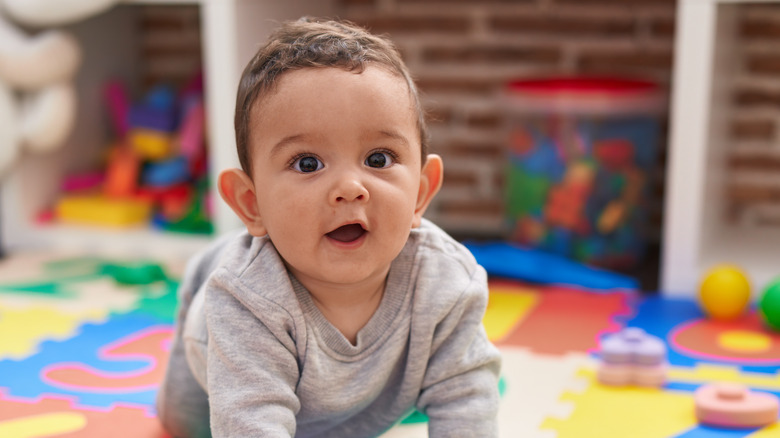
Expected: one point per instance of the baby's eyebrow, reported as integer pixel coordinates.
(286, 141)
(395, 136)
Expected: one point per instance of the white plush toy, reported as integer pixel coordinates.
(37, 96)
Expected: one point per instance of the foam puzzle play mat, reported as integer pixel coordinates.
(84, 340)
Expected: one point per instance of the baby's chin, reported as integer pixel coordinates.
(342, 275)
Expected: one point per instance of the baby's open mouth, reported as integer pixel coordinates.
(347, 233)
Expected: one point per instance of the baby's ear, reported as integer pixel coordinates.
(430, 183)
(237, 190)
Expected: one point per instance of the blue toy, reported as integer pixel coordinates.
(161, 97)
(166, 173)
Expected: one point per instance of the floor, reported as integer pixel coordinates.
(83, 343)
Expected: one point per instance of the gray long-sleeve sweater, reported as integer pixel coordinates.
(273, 366)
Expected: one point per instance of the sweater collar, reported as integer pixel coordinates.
(397, 295)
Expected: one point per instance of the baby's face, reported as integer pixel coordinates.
(336, 169)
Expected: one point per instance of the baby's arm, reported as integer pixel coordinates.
(460, 389)
(252, 369)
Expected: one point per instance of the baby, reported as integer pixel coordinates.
(340, 309)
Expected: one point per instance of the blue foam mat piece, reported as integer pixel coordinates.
(515, 262)
(713, 432)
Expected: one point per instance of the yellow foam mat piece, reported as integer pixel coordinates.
(50, 424)
(772, 431)
(605, 411)
(711, 373)
(506, 308)
(30, 326)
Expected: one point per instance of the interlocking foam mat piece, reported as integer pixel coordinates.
(83, 345)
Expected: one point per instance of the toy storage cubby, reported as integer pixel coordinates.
(697, 231)
(231, 30)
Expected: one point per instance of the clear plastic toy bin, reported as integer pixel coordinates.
(581, 154)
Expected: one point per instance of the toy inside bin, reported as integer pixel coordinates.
(581, 153)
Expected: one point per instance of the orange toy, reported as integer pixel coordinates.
(122, 173)
(735, 406)
(580, 174)
(566, 202)
(612, 216)
(566, 205)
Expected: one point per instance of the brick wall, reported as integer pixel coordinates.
(753, 183)
(170, 45)
(463, 52)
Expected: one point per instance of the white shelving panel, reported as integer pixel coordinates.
(696, 236)
(231, 32)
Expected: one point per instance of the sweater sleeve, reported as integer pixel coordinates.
(252, 369)
(460, 387)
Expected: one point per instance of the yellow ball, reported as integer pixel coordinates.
(724, 293)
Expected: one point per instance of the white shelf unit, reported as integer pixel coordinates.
(696, 237)
(231, 31)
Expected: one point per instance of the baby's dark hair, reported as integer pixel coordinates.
(310, 43)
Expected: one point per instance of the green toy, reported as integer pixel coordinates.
(134, 272)
(770, 304)
(138, 272)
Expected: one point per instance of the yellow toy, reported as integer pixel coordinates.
(105, 211)
(151, 144)
(724, 293)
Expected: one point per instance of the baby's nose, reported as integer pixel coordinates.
(348, 189)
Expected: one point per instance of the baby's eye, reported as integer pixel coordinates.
(380, 160)
(307, 164)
